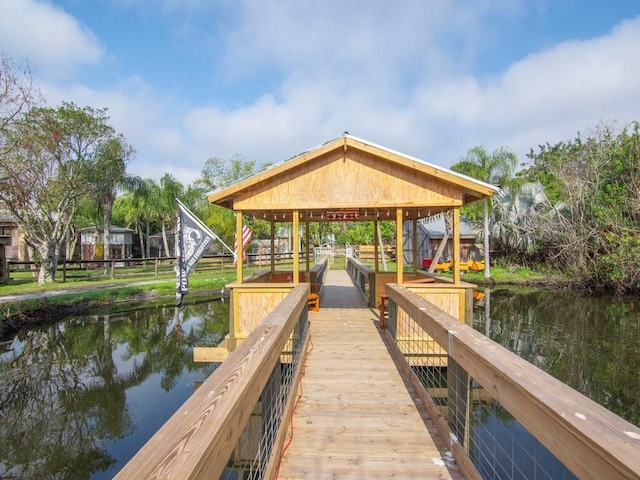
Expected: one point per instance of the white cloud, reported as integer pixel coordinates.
(547, 96)
(401, 75)
(46, 36)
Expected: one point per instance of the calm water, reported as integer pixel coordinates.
(80, 397)
(591, 344)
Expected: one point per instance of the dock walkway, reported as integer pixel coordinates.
(356, 417)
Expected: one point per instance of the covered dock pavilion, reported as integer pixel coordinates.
(344, 179)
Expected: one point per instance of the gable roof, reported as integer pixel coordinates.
(100, 228)
(349, 178)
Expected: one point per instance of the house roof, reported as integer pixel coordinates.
(435, 227)
(6, 217)
(349, 178)
(100, 228)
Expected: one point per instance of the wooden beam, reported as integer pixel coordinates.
(210, 354)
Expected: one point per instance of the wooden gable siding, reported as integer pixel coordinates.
(354, 178)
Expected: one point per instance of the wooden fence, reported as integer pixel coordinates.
(130, 267)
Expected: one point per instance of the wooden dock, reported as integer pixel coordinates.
(357, 417)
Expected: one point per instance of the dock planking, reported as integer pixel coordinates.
(357, 417)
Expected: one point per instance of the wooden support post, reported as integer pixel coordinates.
(307, 237)
(456, 246)
(414, 240)
(239, 262)
(376, 247)
(273, 246)
(399, 243)
(295, 237)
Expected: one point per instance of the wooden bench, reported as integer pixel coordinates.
(313, 302)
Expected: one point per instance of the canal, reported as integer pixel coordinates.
(81, 396)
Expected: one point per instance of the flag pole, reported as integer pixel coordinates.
(179, 266)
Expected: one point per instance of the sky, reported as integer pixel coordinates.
(188, 80)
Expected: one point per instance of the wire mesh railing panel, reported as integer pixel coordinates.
(251, 456)
(498, 445)
(501, 448)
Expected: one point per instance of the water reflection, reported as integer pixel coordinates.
(80, 397)
(591, 344)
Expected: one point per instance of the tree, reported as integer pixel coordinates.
(17, 95)
(595, 240)
(218, 173)
(45, 175)
(135, 208)
(517, 213)
(109, 173)
(496, 168)
(165, 206)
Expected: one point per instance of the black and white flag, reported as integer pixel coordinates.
(194, 237)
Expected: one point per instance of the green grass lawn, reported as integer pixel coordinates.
(101, 289)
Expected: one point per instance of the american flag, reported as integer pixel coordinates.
(246, 238)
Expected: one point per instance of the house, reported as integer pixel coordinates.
(156, 245)
(429, 235)
(92, 242)
(15, 247)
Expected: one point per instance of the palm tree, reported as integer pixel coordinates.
(516, 214)
(109, 174)
(495, 168)
(136, 210)
(165, 206)
(521, 213)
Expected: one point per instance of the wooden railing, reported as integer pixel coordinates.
(318, 271)
(364, 278)
(586, 438)
(203, 437)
